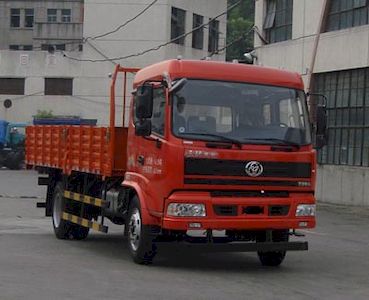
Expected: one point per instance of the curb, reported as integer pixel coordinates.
(20, 197)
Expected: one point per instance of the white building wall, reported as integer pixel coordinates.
(91, 81)
(338, 50)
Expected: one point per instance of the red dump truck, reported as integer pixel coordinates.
(222, 150)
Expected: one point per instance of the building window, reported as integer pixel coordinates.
(66, 15)
(15, 18)
(52, 47)
(178, 25)
(213, 36)
(58, 86)
(27, 47)
(60, 47)
(47, 47)
(28, 18)
(345, 14)
(20, 47)
(278, 20)
(198, 34)
(12, 86)
(52, 15)
(348, 116)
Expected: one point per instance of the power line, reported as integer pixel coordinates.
(84, 40)
(229, 8)
(125, 23)
(100, 52)
(25, 96)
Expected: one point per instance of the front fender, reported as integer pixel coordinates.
(148, 217)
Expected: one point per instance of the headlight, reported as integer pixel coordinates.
(305, 210)
(186, 210)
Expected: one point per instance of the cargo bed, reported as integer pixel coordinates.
(77, 148)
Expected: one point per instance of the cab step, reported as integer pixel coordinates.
(84, 222)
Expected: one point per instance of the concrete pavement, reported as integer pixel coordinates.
(35, 265)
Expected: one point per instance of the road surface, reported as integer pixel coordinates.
(35, 265)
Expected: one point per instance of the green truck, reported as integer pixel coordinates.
(12, 138)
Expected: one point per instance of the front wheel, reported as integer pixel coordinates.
(141, 242)
(274, 258)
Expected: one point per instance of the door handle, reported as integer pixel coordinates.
(141, 160)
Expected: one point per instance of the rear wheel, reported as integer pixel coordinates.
(64, 229)
(140, 238)
(14, 161)
(274, 258)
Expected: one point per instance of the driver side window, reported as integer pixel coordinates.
(158, 115)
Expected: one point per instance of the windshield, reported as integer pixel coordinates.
(248, 113)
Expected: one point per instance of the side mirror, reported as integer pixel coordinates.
(143, 128)
(144, 101)
(321, 126)
(321, 120)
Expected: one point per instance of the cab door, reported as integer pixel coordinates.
(147, 154)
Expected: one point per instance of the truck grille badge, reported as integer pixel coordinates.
(254, 168)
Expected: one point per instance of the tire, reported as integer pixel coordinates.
(275, 258)
(64, 229)
(79, 232)
(141, 241)
(14, 160)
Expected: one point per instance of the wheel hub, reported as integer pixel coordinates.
(135, 229)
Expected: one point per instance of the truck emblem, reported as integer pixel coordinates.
(254, 168)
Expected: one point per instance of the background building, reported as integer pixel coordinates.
(286, 37)
(75, 81)
(32, 25)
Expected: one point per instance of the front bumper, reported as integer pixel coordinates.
(240, 246)
(241, 220)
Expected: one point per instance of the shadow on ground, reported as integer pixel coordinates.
(114, 246)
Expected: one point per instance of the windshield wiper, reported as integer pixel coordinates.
(279, 141)
(220, 137)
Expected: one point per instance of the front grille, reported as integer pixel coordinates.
(248, 194)
(279, 210)
(253, 210)
(220, 167)
(239, 182)
(225, 210)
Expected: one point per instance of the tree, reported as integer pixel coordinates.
(240, 20)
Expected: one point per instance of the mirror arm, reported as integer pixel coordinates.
(149, 138)
(167, 80)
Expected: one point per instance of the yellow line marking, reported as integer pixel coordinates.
(84, 222)
(65, 216)
(84, 198)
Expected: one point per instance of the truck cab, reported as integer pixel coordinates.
(233, 140)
